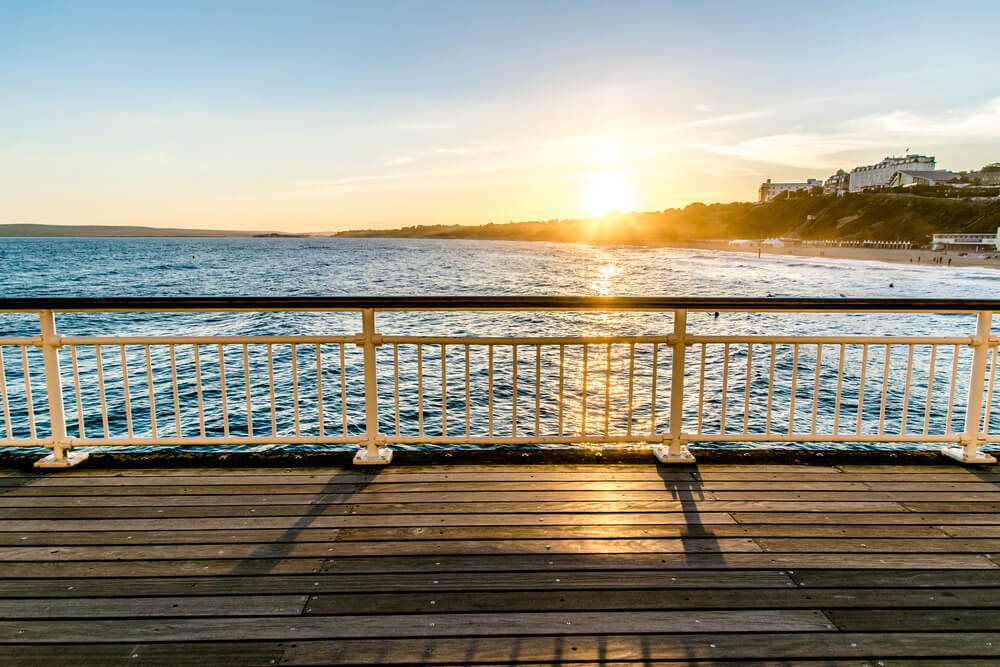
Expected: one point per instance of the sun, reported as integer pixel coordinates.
(607, 191)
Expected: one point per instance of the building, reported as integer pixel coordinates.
(975, 242)
(837, 184)
(769, 190)
(879, 175)
(905, 177)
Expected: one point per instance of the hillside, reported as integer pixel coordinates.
(879, 216)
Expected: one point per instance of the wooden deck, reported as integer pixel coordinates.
(850, 565)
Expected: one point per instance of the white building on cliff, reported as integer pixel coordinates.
(880, 175)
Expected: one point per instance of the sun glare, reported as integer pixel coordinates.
(608, 191)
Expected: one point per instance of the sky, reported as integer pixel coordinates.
(302, 116)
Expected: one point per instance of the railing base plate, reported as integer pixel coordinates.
(958, 453)
(72, 458)
(662, 454)
(384, 458)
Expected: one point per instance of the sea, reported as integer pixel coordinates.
(115, 267)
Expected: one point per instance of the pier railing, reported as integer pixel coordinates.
(375, 390)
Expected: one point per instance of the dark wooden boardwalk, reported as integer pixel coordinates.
(847, 565)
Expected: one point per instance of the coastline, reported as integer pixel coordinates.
(896, 256)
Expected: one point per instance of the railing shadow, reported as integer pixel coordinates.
(267, 556)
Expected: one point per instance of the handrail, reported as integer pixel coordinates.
(493, 361)
(526, 302)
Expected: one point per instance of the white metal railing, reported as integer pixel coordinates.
(669, 389)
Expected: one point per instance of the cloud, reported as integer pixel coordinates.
(982, 121)
(871, 132)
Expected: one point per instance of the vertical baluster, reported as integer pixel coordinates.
(607, 393)
(27, 392)
(885, 389)
(270, 388)
(746, 395)
(819, 369)
(701, 387)
(295, 389)
(562, 359)
(652, 407)
(319, 392)
(631, 383)
(3, 395)
(76, 387)
(395, 382)
(770, 391)
(198, 388)
(795, 380)
(930, 391)
(725, 388)
(343, 391)
(101, 390)
(861, 390)
(989, 394)
(444, 391)
(490, 347)
(538, 389)
(223, 391)
(420, 388)
(840, 388)
(128, 398)
(246, 386)
(513, 400)
(468, 395)
(173, 375)
(149, 383)
(951, 391)
(583, 415)
(906, 389)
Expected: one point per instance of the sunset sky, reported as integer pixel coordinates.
(321, 116)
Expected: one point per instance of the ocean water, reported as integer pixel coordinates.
(282, 267)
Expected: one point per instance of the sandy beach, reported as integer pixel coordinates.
(922, 257)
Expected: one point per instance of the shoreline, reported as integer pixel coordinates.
(891, 255)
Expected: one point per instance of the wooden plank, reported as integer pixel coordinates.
(398, 509)
(372, 520)
(438, 582)
(161, 653)
(876, 545)
(94, 533)
(955, 506)
(163, 568)
(139, 607)
(693, 529)
(644, 648)
(924, 620)
(350, 549)
(618, 507)
(478, 487)
(896, 579)
(595, 600)
(779, 561)
(410, 625)
(844, 518)
(887, 496)
(971, 531)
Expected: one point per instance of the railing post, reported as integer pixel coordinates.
(60, 443)
(968, 449)
(371, 453)
(674, 449)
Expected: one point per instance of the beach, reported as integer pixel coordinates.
(899, 256)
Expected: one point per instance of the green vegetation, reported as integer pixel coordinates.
(878, 216)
